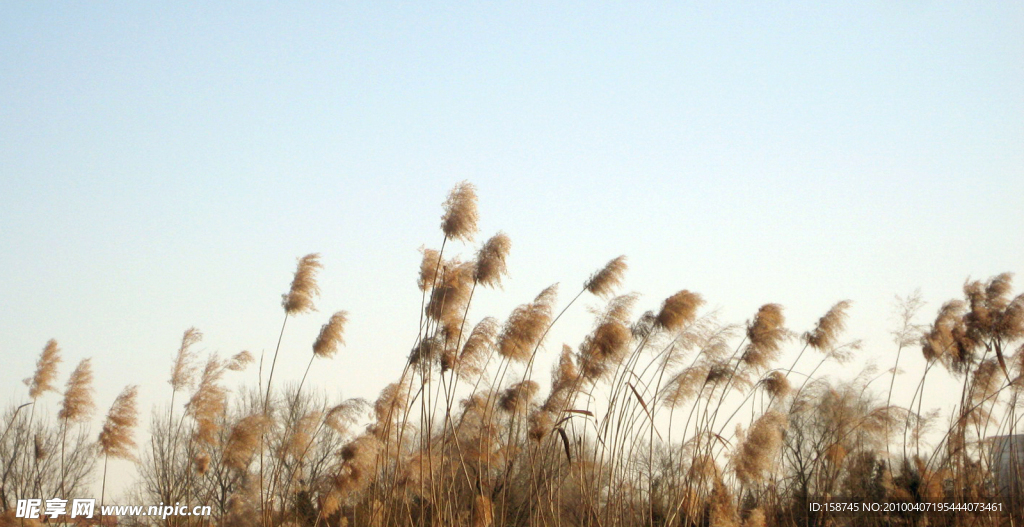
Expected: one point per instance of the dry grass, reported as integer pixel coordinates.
(632, 428)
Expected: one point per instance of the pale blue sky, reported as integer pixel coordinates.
(162, 166)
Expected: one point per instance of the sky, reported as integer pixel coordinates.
(163, 166)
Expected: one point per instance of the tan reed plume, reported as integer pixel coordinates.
(46, 371)
(357, 468)
(389, 404)
(474, 351)
(765, 335)
(686, 384)
(517, 396)
(428, 268)
(943, 340)
(678, 310)
(116, 439)
(760, 446)
(331, 335)
(565, 373)
(182, 370)
(603, 282)
(304, 289)
(460, 215)
(77, 404)
(451, 292)
(240, 360)
(244, 440)
(608, 343)
(346, 414)
(490, 260)
(525, 326)
(208, 401)
(776, 384)
(722, 506)
(826, 332)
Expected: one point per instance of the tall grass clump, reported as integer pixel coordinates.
(660, 414)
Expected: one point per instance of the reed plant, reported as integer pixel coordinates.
(660, 416)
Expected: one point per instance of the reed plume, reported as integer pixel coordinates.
(604, 281)
(46, 371)
(943, 340)
(607, 344)
(460, 215)
(208, 402)
(760, 446)
(490, 261)
(517, 396)
(346, 414)
(451, 291)
(77, 404)
(776, 384)
(116, 439)
(299, 298)
(331, 335)
(428, 268)
(678, 310)
(722, 506)
(244, 440)
(765, 335)
(357, 468)
(826, 332)
(525, 326)
(240, 360)
(474, 352)
(182, 369)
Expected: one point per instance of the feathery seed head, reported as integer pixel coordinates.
(828, 328)
(517, 396)
(451, 291)
(331, 335)
(766, 335)
(525, 326)
(678, 310)
(346, 414)
(776, 384)
(116, 437)
(390, 402)
(604, 281)
(473, 356)
(304, 289)
(428, 268)
(46, 371)
(460, 215)
(240, 360)
(490, 261)
(182, 370)
(208, 401)
(758, 449)
(244, 440)
(77, 404)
